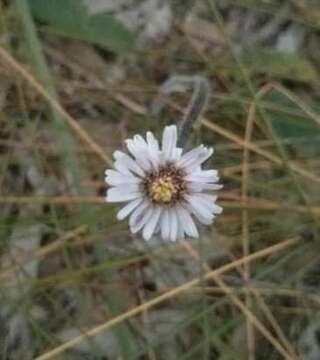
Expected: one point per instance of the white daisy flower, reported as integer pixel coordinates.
(166, 190)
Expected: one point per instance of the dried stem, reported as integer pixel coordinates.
(196, 106)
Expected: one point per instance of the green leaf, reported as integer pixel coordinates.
(279, 65)
(70, 18)
(290, 122)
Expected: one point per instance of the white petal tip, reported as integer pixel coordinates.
(133, 231)
(218, 209)
(121, 215)
(117, 154)
(146, 237)
(108, 200)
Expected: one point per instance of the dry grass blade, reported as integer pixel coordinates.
(245, 228)
(263, 290)
(79, 131)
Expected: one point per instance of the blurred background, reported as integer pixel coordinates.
(78, 77)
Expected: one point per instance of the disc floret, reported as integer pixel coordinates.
(165, 186)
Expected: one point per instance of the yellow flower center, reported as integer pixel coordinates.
(162, 189)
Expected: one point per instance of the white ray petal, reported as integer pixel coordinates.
(152, 141)
(120, 193)
(206, 173)
(217, 209)
(190, 156)
(137, 213)
(169, 142)
(199, 207)
(140, 141)
(173, 224)
(176, 154)
(211, 186)
(211, 198)
(116, 180)
(140, 154)
(202, 201)
(150, 226)
(193, 164)
(142, 220)
(122, 168)
(153, 149)
(127, 210)
(195, 187)
(125, 161)
(112, 181)
(181, 229)
(208, 201)
(158, 227)
(111, 172)
(206, 220)
(198, 177)
(165, 224)
(187, 222)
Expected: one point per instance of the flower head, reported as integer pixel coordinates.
(165, 189)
